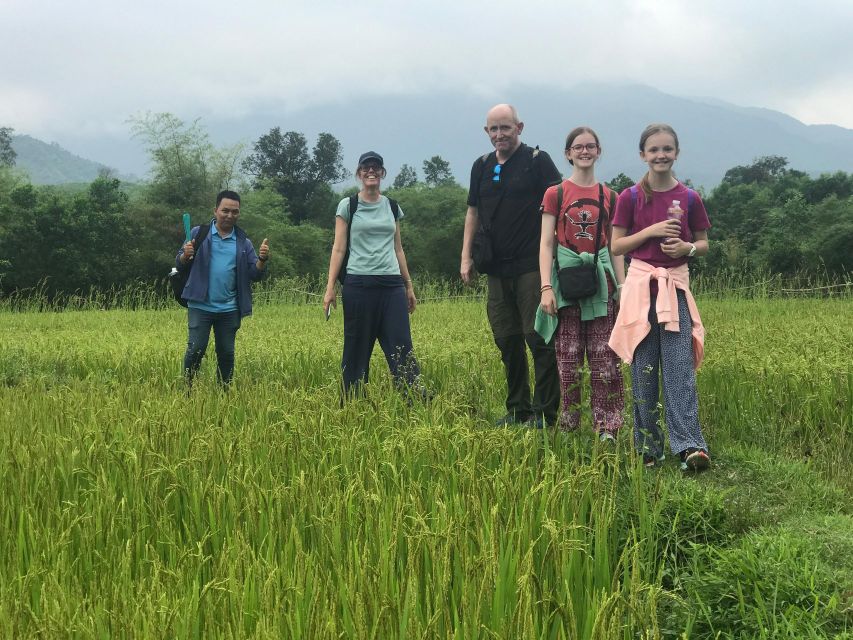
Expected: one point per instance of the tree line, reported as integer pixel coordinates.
(766, 216)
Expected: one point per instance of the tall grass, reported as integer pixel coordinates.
(726, 285)
(132, 509)
(157, 294)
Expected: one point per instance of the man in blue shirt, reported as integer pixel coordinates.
(219, 287)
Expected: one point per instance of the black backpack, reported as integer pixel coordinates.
(353, 206)
(179, 275)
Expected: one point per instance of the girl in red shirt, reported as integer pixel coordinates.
(584, 325)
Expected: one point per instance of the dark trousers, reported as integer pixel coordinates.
(376, 307)
(225, 327)
(511, 307)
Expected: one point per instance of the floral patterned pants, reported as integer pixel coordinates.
(575, 340)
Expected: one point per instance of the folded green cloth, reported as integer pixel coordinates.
(594, 306)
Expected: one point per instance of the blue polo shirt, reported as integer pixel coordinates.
(222, 284)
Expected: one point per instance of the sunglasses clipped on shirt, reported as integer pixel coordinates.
(497, 173)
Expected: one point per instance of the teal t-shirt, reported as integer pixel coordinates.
(371, 238)
(222, 279)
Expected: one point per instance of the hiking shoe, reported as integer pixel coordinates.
(693, 459)
(534, 422)
(606, 436)
(650, 462)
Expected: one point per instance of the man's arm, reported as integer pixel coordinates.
(466, 268)
(472, 222)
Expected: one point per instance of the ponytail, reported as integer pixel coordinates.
(646, 187)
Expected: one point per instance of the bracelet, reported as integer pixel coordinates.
(618, 285)
(544, 288)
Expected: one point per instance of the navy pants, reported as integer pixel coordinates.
(376, 307)
(668, 355)
(225, 327)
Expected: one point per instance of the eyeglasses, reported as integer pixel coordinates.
(497, 170)
(367, 168)
(589, 146)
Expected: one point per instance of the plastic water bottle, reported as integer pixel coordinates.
(675, 211)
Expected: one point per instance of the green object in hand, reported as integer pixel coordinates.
(187, 226)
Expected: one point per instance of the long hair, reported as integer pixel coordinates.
(648, 132)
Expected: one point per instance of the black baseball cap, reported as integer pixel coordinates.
(371, 155)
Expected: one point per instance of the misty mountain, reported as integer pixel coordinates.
(715, 136)
(49, 163)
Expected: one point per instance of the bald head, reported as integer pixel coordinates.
(504, 129)
(503, 111)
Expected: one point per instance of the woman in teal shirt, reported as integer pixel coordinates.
(377, 289)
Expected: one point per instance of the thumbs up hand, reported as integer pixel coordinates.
(264, 251)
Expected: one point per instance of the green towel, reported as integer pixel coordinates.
(594, 306)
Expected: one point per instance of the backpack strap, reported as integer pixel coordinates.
(483, 159)
(203, 230)
(353, 206)
(395, 208)
(601, 215)
(559, 213)
(200, 235)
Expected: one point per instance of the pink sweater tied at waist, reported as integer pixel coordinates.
(632, 323)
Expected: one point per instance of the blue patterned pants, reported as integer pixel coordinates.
(670, 355)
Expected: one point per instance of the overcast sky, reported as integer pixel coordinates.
(77, 70)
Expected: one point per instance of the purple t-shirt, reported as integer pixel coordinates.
(645, 214)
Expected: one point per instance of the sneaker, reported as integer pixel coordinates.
(508, 420)
(606, 436)
(649, 461)
(693, 459)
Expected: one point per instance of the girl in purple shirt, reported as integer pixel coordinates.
(662, 223)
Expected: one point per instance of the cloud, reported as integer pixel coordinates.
(88, 66)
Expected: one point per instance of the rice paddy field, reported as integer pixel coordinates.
(132, 509)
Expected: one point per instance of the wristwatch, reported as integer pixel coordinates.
(692, 251)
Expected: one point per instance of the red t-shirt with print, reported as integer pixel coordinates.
(577, 221)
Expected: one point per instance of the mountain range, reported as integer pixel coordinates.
(714, 136)
(49, 163)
